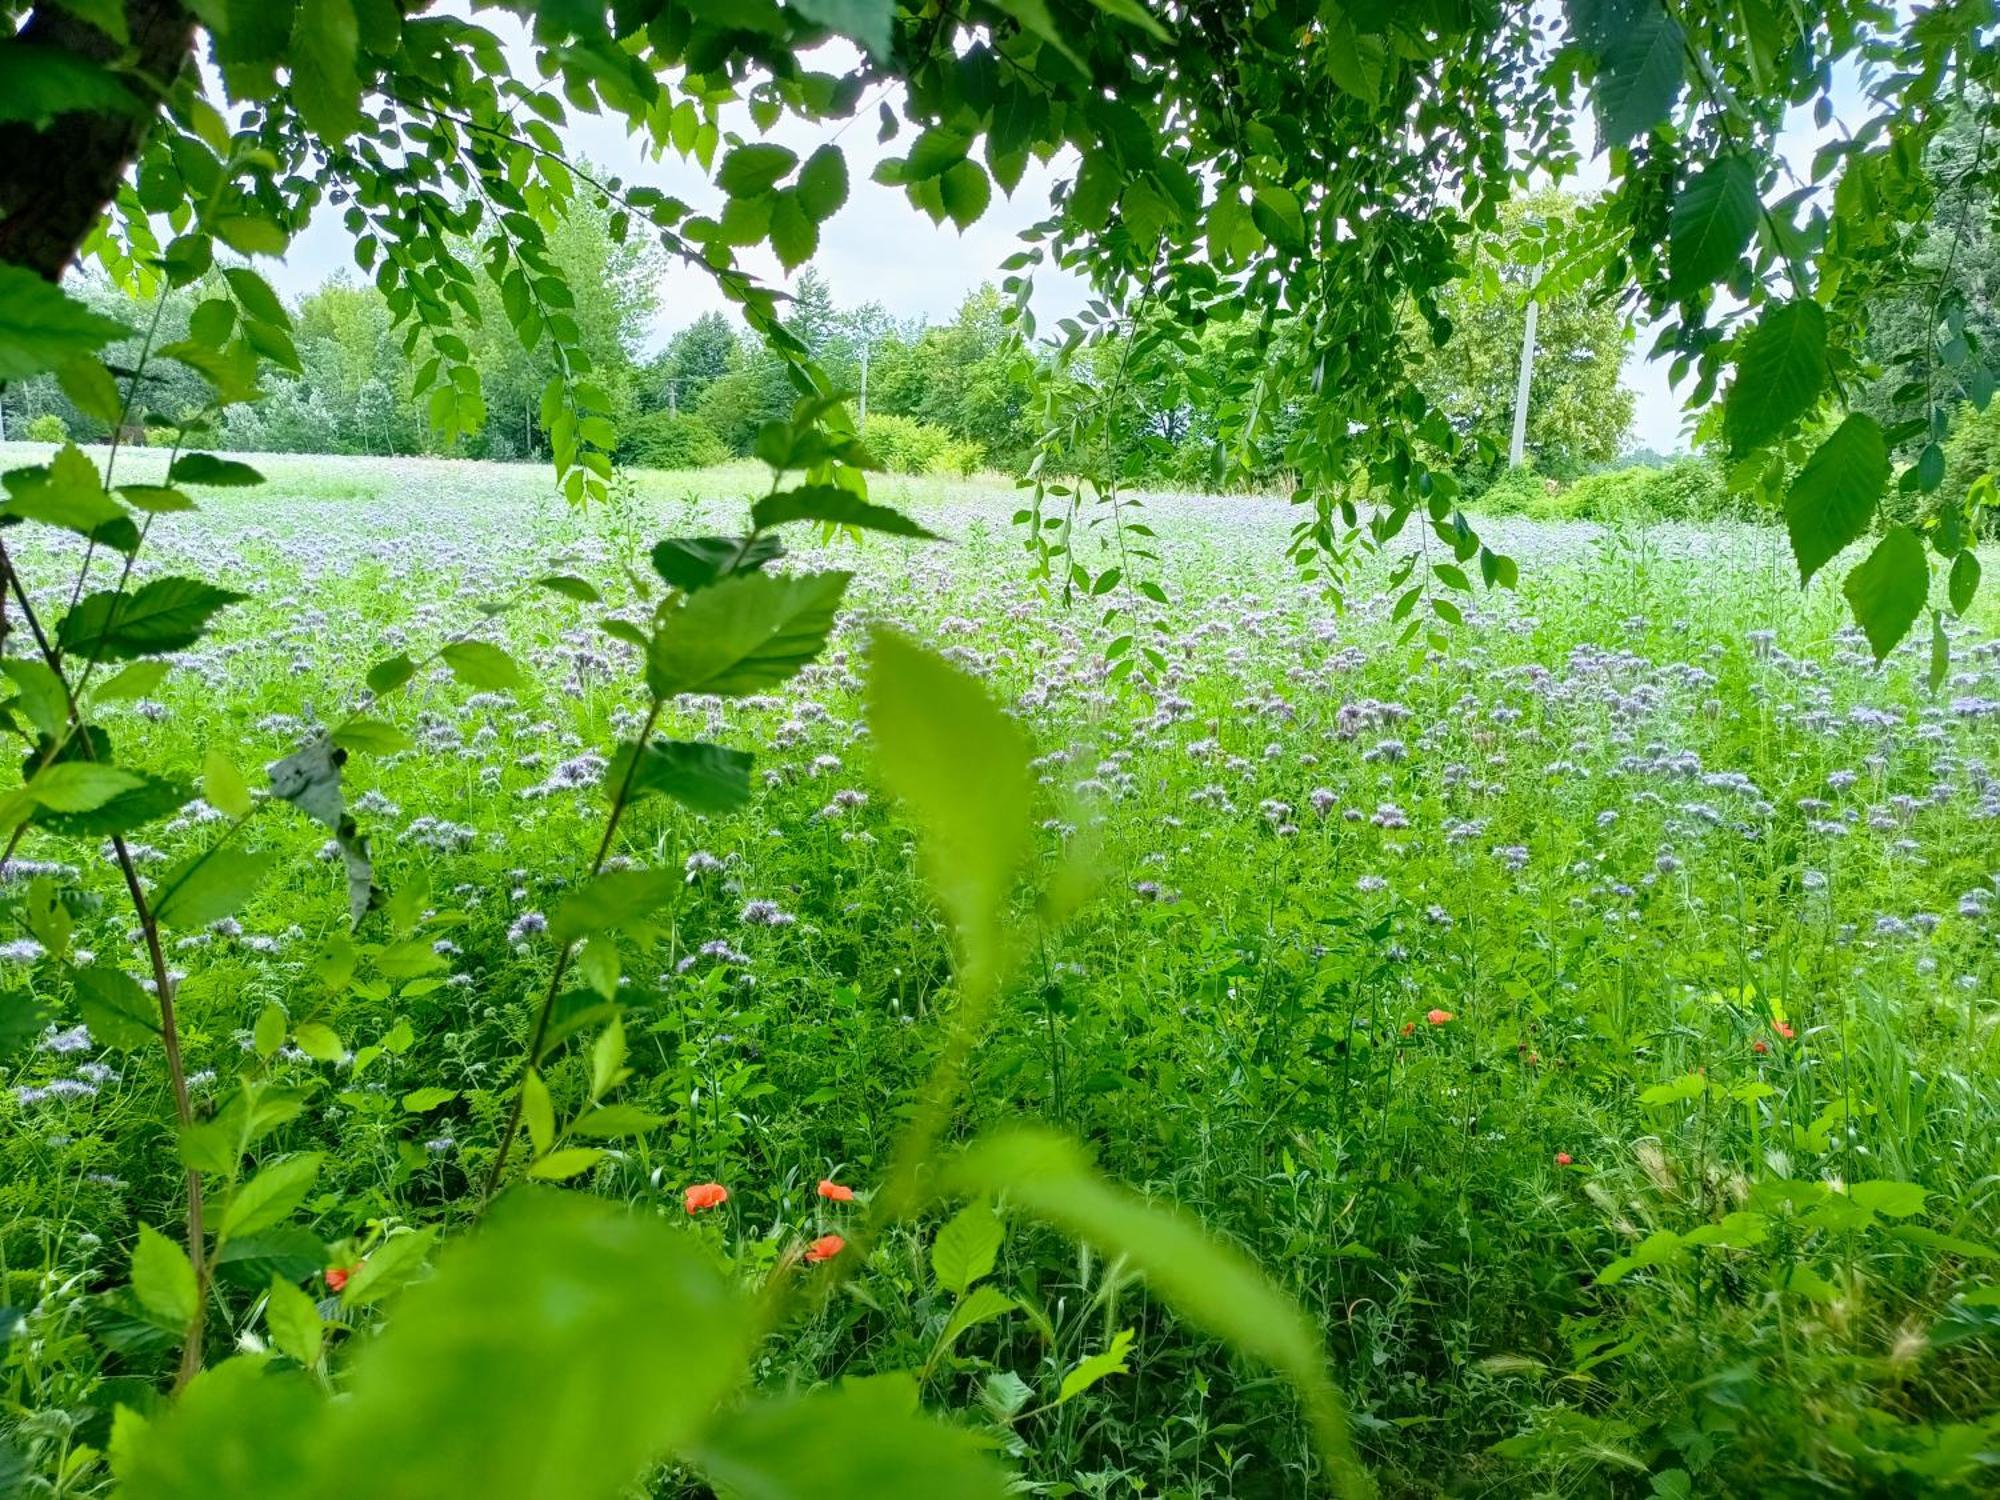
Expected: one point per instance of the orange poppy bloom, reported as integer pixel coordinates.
(705, 1195)
(1439, 1018)
(826, 1247)
(1563, 1158)
(1783, 1030)
(837, 1192)
(1760, 1046)
(336, 1276)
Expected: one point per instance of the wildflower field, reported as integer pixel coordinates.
(1590, 1022)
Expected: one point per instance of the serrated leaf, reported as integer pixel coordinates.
(371, 737)
(1888, 590)
(168, 614)
(864, 21)
(966, 1247)
(1833, 498)
(612, 902)
(1895, 1200)
(743, 634)
(163, 1278)
(116, 1010)
(297, 1330)
(570, 588)
(752, 169)
(822, 184)
(1964, 581)
(319, 1041)
(611, 1121)
(694, 562)
(1639, 49)
(482, 665)
(836, 507)
(325, 87)
(1780, 370)
(422, 1101)
(389, 674)
(210, 886)
(271, 1195)
(75, 786)
(1712, 221)
(1085, 1373)
(706, 778)
(390, 1266)
(41, 325)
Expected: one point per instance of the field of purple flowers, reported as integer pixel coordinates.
(1595, 1023)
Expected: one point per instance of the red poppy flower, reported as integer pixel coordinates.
(826, 1247)
(837, 1192)
(1783, 1030)
(1760, 1046)
(336, 1276)
(1439, 1018)
(705, 1195)
(1409, 1027)
(1563, 1158)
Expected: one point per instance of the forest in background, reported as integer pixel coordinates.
(955, 397)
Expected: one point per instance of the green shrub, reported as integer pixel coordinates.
(1972, 453)
(903, 445)
(47, 428)
(1511, 492)
(671, 440)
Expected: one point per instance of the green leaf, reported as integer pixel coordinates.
(223, 786)
(705, 778)
(206, 468)
(571, 1161)
(960, 766)
(864, 21)
(269, 1033)
(116, 1010)
(41, 695)
(256, 296)
(793, 235)
(1894, 1200)
(79, 785)
(325, 88)
(168, 614)
(86, 381)
(966, 1247)
(481, 665)
(1888, 590)
(39, 83)
(610, 1121)
(861, 1438)
(754, 169)
(1085, 1373)
(1780, 369)
(41, 326)
(210, 886)
(966, 190)
(252, 234)
(236, 1430)
(570, 588)
(982, 1305)
(822, 185)
(538, 1111)
(1833, 498)
(319, 1041)
(1712, 220)
(389, 1267)
(297, 1330)
(163, 1278)
(388, 675)
(68, 494)
(1639, 67)
(836, 507)
(561, 1349)
(745, 633)
(612, 902)
(1276, 211)
(158, 499)
(271, 1195)
(422, 1101)
(1209, 1284)
(694, 562)
(1964, 581)
(371, 737)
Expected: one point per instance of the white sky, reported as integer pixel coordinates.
(879, 248)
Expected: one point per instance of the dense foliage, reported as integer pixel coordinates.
(1300, 186)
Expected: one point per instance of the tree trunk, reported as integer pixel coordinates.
(56, 183)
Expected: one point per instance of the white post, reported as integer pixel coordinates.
(864, 383)
(1517, 449)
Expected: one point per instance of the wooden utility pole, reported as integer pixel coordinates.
(1517, 449)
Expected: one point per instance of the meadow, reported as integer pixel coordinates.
(1592, 1023)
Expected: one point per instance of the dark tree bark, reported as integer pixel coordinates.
(56, 183)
